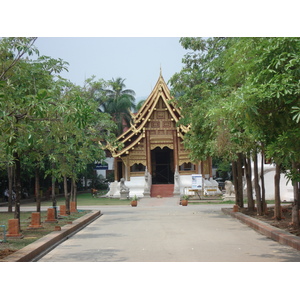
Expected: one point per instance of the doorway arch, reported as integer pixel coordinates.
(162, 162)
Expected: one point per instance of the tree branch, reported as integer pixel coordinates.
(19, 56)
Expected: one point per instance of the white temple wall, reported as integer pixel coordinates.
(136, 187)
(185, 182)
(286, 188)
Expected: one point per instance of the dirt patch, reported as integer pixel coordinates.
(284, 224)
(6, 252)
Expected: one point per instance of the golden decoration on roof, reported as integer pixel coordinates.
(142, 121)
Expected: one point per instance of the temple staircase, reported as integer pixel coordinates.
(162, 190)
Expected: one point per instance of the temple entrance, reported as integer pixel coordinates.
(162, 166)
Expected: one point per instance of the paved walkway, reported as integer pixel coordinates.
(160, 230)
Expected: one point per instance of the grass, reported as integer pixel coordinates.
(31, 235)
(85, 199)
(199, 202)
(203, 201)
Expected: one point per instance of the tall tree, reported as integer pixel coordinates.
(75, 137)
(204, 94)
(46, 116)
(270, 91)
(239, 93)
(118, 102)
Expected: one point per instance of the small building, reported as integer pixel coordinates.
(153, 160)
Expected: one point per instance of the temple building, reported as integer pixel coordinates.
(153, 160)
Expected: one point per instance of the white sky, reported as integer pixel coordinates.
(136, 59)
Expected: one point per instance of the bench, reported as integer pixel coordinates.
(196, 191)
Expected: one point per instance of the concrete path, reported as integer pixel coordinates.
(161, 230)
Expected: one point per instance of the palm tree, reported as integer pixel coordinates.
(118, 102)
(140, 104)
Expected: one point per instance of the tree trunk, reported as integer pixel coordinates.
(257, 186)
(53, 198)
(67, 196)
(234, 179)
(85, 179)
(295, 209)
(18, 186)
(75, 192)
(249, 183)
(10, 170)
(262, 180)
(295, 215)
(72, 190)
(277, 209)
(37, 189)
(240, 180)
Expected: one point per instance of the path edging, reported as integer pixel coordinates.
(49, 241)
(276, 234)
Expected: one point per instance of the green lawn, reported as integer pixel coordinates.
(85, 199)
(30, 235)
(199, 202)
(203, 201)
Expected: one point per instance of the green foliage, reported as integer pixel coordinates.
(11, 52)
(240, 95)
(140, 104)
(45, 119)
(118, 103)
(296, 112)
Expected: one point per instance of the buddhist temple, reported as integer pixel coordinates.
(153, 160)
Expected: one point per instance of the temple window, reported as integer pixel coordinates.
(137, 168)
(187, 167)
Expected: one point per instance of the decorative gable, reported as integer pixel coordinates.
(158, 117)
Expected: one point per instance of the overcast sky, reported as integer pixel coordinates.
(153, 30)
(136, 59)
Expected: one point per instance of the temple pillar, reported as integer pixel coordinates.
(175, 152)
(127, 168)
(148, 152)
(116, 169)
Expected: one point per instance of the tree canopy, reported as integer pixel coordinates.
(45, 118)
(238, 95)
(118, 102)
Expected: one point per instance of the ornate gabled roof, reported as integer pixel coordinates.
(136, 132)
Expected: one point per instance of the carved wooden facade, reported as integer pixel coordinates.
(156, 142)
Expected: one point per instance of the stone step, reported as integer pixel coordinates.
(163, 190)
